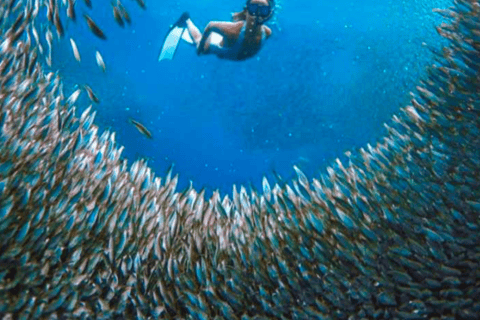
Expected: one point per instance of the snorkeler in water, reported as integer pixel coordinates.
(237, 40)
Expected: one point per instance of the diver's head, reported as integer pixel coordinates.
(261, 10)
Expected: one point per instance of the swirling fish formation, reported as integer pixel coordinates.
(392, 234)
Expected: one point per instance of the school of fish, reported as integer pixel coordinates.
(392, 234)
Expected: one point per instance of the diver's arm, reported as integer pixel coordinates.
(226, 29)
(268, 31)
(213, 27)
(205, 35)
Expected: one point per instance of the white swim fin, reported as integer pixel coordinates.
(187, 38)
(177, 32)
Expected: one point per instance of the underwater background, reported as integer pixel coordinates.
(324, 83)
(392, 232)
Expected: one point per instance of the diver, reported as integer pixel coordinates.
(237, 40)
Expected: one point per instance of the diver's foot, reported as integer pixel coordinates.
(182, 22)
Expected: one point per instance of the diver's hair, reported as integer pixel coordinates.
(240, 16)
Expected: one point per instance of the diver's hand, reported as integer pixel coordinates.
(201, 45)
(200, 48)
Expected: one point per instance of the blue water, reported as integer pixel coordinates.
(325, 82)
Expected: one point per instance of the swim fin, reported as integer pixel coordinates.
(177, 32)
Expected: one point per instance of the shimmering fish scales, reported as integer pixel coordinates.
(100, 62)
(76, 54)
(37, 38)
(249, 257)
(74, 96)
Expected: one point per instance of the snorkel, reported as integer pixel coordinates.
(261, 13)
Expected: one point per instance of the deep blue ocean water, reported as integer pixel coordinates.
(325, 82)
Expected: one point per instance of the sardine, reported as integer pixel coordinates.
(50, 10)
(142, 5)
(37, 39)
(124, 12)
(94, 28)
(15, 26)
(49, 38)
(58, 24)
(74, 96)
(100, 62)
(75, 50)
(90, 94)
(117, 16)
(71, 10)
(141, 128)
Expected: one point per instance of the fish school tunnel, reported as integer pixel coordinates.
(342, 230)
(323, 84)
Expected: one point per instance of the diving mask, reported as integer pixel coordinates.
(261, 11)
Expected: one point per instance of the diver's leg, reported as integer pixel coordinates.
(214, 45)
(194, 32)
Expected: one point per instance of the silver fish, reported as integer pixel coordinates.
(94, 28)
(100, 62)
(394, 234)
(49, 38)
(76, 54)
(90, 94)
(141, 128)
(124, 12)
(74, 96)
(141, 3)
(37, 37)
(58, 24)
(71, 10)
(117, 15)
